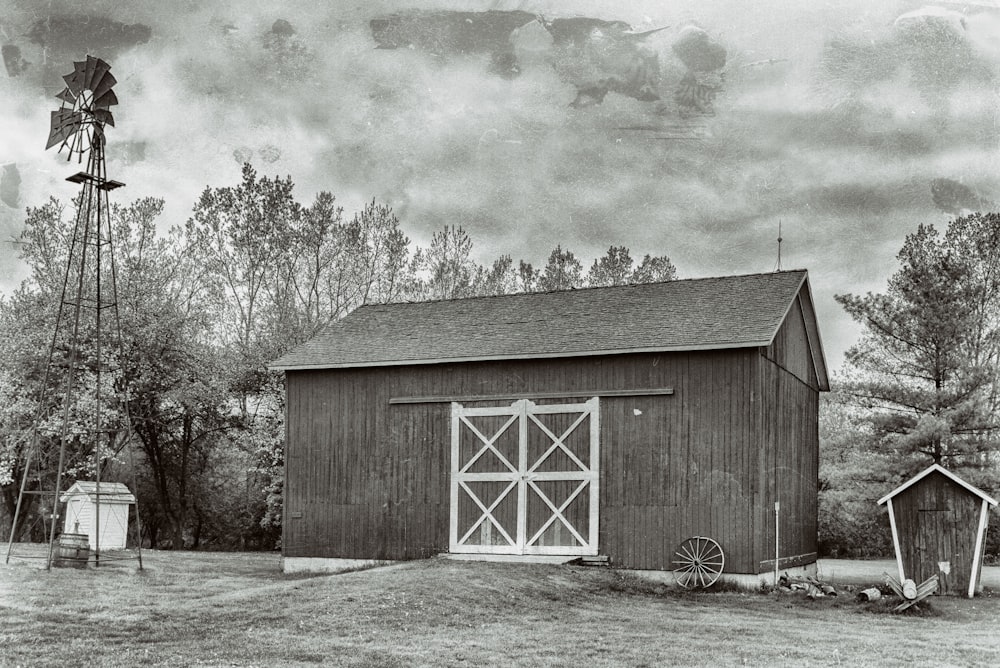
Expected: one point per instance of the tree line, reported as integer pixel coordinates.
(203, 308)
(206, 305)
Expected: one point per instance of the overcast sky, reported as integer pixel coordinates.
(834, 118)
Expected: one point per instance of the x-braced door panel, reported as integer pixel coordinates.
(525, 479)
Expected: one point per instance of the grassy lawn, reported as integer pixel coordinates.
(219, 609)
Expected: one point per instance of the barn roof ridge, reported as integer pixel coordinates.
(718, 312)
(948, 474)
(585, 288)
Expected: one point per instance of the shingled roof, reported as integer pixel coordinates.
(111, 492)
(696, 314)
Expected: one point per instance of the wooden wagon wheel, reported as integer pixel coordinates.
(698, 562)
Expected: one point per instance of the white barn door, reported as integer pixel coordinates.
(525, 478)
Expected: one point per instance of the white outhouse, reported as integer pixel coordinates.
(82, 502)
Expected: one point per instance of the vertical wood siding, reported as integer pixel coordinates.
(788, 460)
(789, 465)
(678, 468)
(937, 521)
(367, 479)
(790, 349)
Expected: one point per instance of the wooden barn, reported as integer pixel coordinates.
(615, 422)
(938, 524)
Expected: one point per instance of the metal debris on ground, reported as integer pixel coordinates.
(870, 594)
(812, 587)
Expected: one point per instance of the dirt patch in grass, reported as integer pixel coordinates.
(238, 609)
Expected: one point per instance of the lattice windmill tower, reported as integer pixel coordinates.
(88, 319)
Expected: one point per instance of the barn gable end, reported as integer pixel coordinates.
(702, 422)
(791, 349)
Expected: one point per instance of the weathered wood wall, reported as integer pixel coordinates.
(366, 479)
(683, 467)
(937, 521)
(788, 414)
(369, 479)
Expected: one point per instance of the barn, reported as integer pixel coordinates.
(610, 422)
(938, 524)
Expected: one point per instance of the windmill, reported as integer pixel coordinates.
(78, 351)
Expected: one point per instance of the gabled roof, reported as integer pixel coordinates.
(951, 476)
(695, 314)
(111, 492)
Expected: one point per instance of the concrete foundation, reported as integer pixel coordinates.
(332, 565)
(748, 580)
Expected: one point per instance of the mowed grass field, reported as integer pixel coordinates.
(226, 609)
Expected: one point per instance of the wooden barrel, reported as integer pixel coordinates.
(74, 550)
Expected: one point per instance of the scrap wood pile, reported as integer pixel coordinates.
(907, 590)
(910, 591)
(812, 587)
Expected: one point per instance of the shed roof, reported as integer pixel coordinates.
(694, 314)
(111, 492)
(951, 476)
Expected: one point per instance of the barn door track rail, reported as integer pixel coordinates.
(513, 396)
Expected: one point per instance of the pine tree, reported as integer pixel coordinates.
(916, 369)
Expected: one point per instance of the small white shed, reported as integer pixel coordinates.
(82, 501)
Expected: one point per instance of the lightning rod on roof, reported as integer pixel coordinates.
(777, 267)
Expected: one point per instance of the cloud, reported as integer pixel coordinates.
(823, 122)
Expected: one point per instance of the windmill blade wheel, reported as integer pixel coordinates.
(698, 563)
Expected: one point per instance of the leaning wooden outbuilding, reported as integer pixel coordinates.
(614, 421)
(938, 524)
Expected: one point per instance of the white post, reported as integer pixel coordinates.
(977, 556)
(777, 513)
(456, 423)
(521, 407)
(594, 405)
(895, 540)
